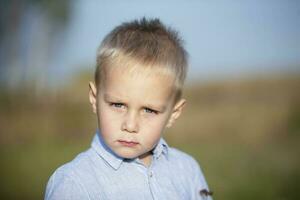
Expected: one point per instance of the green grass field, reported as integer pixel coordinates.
(244, 133)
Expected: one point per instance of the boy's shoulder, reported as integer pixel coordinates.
(189, 166)
(76, 167)
(182, 159)
(186, 168)
(66, 179)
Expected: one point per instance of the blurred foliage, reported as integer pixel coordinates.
(244, 133)
(59, 11)
(28, 29)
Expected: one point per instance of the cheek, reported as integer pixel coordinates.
(156, 126)
(152, 133)
(108, 122)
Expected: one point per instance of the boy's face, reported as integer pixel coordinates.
(133, 109)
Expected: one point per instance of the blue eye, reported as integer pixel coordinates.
(117, 105)
(148, 110)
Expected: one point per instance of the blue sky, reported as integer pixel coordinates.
(223, 38)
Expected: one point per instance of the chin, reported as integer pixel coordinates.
(127, 155)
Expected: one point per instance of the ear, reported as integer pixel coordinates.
(93, 96)
(177, 110)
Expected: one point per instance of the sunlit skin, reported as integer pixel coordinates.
(133, 109)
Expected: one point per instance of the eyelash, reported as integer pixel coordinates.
(117, 105)
(147, 110)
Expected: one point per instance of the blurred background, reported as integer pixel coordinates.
(242, 120)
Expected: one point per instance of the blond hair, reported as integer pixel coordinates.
(147, 43)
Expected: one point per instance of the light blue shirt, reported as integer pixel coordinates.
(100, 174)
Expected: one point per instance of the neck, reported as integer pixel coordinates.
(146, 159)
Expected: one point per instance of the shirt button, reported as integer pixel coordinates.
(150, 174)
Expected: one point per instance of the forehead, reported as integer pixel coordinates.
(149, 86)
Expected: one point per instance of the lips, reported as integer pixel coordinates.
(128, 143)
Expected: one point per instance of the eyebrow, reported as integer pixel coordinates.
(108, 97)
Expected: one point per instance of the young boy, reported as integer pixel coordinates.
(141, 67)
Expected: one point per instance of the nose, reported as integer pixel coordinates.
(130, 123)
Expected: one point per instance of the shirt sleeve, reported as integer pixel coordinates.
(62, 186)
(200, 187)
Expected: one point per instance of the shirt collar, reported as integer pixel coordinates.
(161, 149)
(114, 160)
